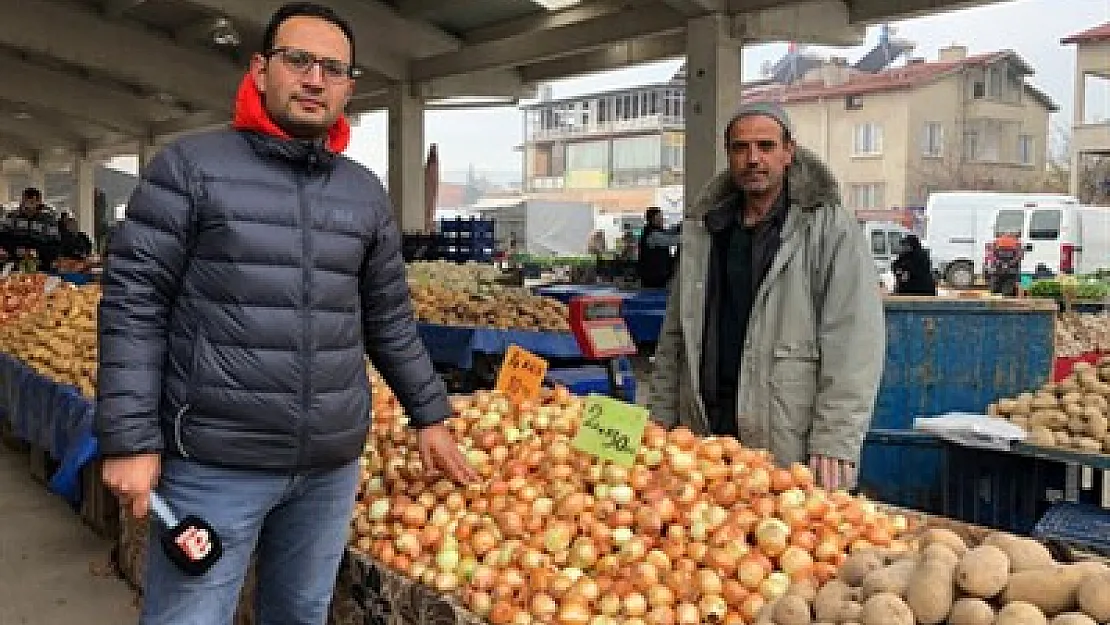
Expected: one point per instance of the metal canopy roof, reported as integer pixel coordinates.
(100, 77)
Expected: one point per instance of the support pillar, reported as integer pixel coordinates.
(84, 191)
(147, 152)
(406, 158)
(37, 178)
(712, 94)
(5, 187)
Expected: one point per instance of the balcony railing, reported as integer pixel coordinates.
(655, 122)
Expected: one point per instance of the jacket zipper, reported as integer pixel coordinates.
(177, 427)
(306, 317)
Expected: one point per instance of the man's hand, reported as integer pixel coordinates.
(132, 478)
(833, 473)
(439, 451)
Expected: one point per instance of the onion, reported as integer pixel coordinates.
(771, 535)
(794, 560)
(543, 606)
(687, 614)
(709, 582)
(659, 595)
(635, 604)
(610, 604)
(480, 603)
(774, 586)
(661, 615)
(713, 608)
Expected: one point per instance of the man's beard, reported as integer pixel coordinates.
(302, 129)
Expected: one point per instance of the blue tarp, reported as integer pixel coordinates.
(456, 346)
(54, 417)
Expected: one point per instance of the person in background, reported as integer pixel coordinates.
(1042, 272)
(913, 271)
(656, 262)
(627, 248)
(75, 245)
(774, 329)
(255, 271)
(596, 246)
(26, 224)
(1005, 264)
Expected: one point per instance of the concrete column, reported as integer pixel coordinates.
(406, 158)
(84, 189)
(146, 154)
(5, 188)
(712, 94)
(36, 177)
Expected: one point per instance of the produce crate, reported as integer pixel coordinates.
(1001, 490)
(1083, 526)
(903, 468)
(953, 355)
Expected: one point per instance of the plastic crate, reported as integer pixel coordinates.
(593, 379)
(903, 468)
(1076, 525)
(1002, 490)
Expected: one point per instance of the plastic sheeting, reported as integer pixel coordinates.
(54, 417)
(456, 346)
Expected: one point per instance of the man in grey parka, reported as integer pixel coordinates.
(774, 330)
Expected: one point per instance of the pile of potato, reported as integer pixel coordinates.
(59, 341)
(1071, 414)
(1006, 580)
(1078, 334)
(461, 276)
(490, 306)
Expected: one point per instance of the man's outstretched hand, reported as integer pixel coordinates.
(440, 452)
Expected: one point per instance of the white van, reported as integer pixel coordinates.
(885, 240)
(960, 224)
(1065, 237)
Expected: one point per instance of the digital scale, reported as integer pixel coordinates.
(602, 334)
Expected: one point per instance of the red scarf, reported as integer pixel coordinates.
(250, 114)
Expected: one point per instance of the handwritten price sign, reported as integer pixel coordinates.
(521, 375)
(611, 429)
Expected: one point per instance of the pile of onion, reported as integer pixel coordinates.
(697, 531)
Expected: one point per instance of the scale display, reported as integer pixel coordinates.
(599, 327)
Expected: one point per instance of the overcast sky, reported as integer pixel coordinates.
(1033, 28)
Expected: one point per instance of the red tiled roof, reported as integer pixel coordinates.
(911, 75)
(1098, 33)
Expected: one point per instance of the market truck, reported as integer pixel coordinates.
(960, 224)
(1067, 238)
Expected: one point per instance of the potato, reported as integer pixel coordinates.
(1045, 401)
(830, 600)
(992, 411)
(1094, 400)
(806, 589)
(968, 611)
(886, 609)
(931, 591)
(851, 611)
(1007, 406)
(941, 553)
(792, 610)
(1053, 589)
(1021, 422)
(1073, 618)
(1062, 438)
(1097, 424)
(891, 579)
(945, 537)
(983, 571)
(1089, 445)
(858, 565)
(1020, 613)
(1024, 553)
(1093, 597)
(1040, 435)
(1072, 397)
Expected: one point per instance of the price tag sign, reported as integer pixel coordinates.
(521, 375)
(611, 429)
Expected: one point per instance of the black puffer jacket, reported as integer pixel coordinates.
(251, 277)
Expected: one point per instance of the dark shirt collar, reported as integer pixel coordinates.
(727, 212)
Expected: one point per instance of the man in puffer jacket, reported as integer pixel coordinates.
(255, 271)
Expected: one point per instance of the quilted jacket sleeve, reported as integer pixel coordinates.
(389, 326)
(143, 270)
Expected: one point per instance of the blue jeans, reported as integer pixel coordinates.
(299, 523)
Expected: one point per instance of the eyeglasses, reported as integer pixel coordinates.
(302, 61)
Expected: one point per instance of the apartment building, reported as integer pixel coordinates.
(892, 135)
(1090, 140)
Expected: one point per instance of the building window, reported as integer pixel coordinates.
(588, 155)
(866, 196)
(971, 145)
(868, 140)
(637, 160)
(932, 140)
(853, 103)
(979, 90)
(1025, 149)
